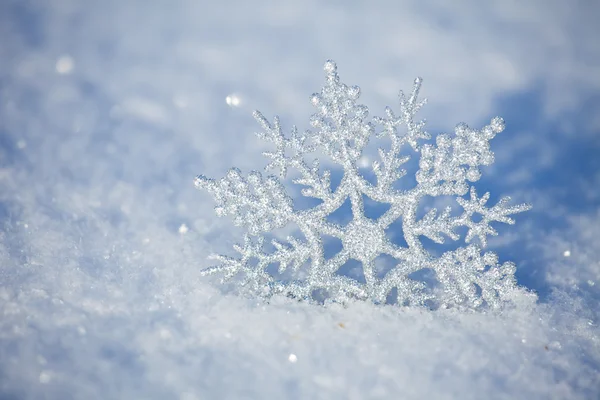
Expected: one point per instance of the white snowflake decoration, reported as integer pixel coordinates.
(463, 277)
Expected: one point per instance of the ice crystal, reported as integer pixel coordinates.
(464, 277)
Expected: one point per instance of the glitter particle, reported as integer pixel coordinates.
(65, 65)
(233, 100)
(183, 229)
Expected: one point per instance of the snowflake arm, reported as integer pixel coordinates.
(387, 170)
(341, 129)
(445, 168)
(292, 254)
(317, 186)
(408, 110)
(433, 225)
(471, 279)
(257, 204)
(231, 266)
(481, 229)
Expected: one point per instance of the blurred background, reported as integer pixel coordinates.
(108, 109)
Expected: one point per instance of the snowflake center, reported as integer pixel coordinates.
(363, 239)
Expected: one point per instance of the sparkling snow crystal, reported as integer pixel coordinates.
(297, 266)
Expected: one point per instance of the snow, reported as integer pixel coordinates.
(109, 109)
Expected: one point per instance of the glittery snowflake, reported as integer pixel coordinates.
(465, 277)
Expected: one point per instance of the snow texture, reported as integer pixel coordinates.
(108, 108)
(467, 277)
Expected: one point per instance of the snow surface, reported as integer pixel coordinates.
(109, 109)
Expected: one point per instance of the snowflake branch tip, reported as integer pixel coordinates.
(330, 67)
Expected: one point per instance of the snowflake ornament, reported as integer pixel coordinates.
(465, 277)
